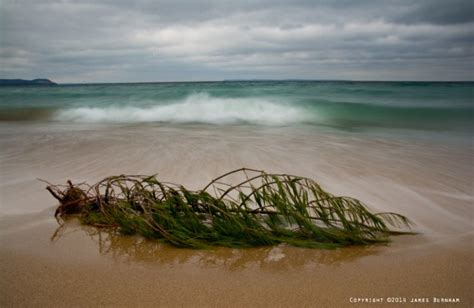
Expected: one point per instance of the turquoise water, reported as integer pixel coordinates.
(349, 106)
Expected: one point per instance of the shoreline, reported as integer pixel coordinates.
(429, 183)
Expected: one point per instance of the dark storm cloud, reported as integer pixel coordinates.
(78, 41)
(440, 12)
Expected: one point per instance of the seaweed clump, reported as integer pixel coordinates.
(260, 209)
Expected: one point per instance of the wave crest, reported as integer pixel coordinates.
(196, 108)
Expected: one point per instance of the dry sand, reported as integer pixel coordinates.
(430, 183)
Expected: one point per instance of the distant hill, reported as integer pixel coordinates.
(22, 82)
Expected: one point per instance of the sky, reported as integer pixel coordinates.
(173, 40)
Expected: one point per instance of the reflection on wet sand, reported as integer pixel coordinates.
(137, 249)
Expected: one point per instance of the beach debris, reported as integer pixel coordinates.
(241, 208)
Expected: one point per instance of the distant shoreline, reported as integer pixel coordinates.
(48, 82)
(263, 81)
(23, 82)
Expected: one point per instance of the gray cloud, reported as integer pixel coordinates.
(105, 41)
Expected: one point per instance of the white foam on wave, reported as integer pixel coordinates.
(196, 108)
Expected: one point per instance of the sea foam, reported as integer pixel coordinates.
(196, 108)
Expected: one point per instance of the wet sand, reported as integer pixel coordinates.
(429, 182)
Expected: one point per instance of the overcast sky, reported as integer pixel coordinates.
(154, 40)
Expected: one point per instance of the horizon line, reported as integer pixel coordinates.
(260, 80)
(242, 80)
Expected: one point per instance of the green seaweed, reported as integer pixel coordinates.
(261, 209)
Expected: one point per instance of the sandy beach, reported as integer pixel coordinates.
(431, 183)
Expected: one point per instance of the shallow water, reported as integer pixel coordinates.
(431, 183)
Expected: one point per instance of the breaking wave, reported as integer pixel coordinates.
(196, 108)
